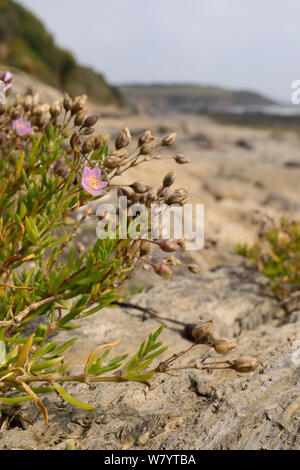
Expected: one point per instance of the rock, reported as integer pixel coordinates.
(244, 144)
(187, 410)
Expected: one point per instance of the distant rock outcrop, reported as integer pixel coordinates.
(27, 45)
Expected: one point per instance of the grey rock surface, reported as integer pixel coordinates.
(187, 410)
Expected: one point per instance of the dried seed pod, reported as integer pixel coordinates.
(3, 108)
(67, 102)
(16, 112)
(145, 138)
(112, 161)
(145, 248)
(151, 196)
(88, 131)
(128, 192)
(194, 268)
(55, 109)
(169, 139)
(163, 270)
(119, 153)
(148, 147)
(79, 104)
(75, 140)
(91, 120)
(244, 364)
(181, 159)
(203, 332)
(27, 102)
(168, 246)
(99, 141)
(169, 179)
(173, 261)
(123, 139)
(80, 118)
(223, 346)
(88, 145)
(179, 196)
(140, 187)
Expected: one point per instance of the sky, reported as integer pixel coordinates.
(240, 44)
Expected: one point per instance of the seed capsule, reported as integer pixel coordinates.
(55, 109)
(147, 148)
(223, 346)
(169, 139)
(169, 179)
(245, 364)
(203, 332)
(119, 153)
(139, 187)
(168, 246)
(99, 141)
(181, 159)
(67, 103)
(145, 138)
(88, 145)
(162, 270)
(123, 139)
(74, 141)
(112, 161)
(80, 118)
(91, 120)
(179, 196)
(194, 268)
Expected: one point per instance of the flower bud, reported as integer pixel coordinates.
(88, 145)
(223, 346)
(123, 139)
(194, 268)
(169, 139)
(169, 179)
(91, 120)
(181, 159)
(168, 246)
(67, 103)
(139, 187)
(244, 364)
(203, 332)
(162, 270)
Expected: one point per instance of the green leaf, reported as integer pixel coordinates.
(66, 396)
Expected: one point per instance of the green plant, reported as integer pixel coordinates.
(52, 165)
(277, 254)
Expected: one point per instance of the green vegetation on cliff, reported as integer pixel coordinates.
(26, 44)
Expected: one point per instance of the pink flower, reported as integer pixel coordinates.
(91, 181)
(6, 77)
(22, 127)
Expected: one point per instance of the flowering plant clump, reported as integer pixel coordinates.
(52, 164)
(277, 254)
